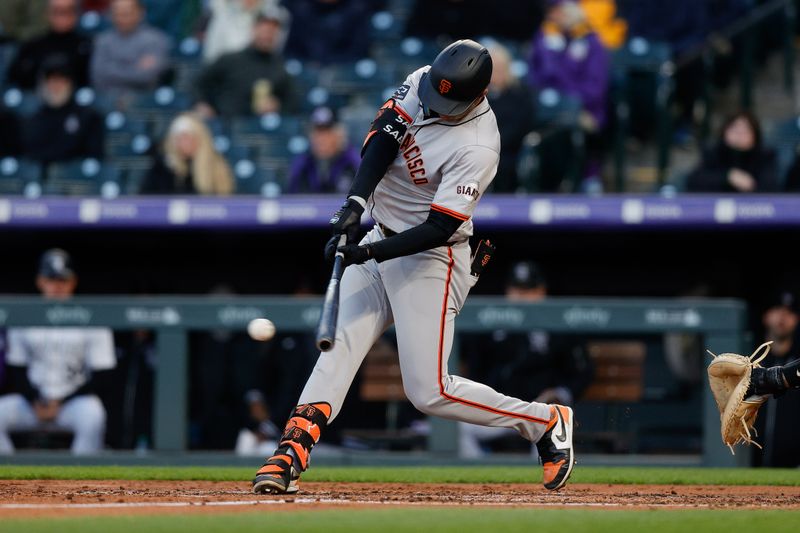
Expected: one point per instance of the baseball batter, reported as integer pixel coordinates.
(430, 154)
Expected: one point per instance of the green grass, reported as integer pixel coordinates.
(457, 520)
(444, 474)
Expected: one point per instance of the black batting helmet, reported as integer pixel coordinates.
(458, 75)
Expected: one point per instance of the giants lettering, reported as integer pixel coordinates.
(413, 156)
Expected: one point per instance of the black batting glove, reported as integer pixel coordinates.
(347, 220)
(355, 254)
(331, 246)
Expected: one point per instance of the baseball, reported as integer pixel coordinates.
(261, 329)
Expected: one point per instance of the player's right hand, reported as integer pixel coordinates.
(347, 220)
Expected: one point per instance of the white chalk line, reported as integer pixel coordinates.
(307, 501)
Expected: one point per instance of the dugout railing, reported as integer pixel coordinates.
(720, 323)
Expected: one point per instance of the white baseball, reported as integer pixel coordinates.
(261, 329)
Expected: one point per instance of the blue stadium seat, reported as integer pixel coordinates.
(251, 179)
(553, 108)
(20, 177)
(360, 76)
(86, 177)
(785, 139)
(159, 107)
(93, 22)
(22, 103)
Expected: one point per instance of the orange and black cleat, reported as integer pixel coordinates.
(555, 448)
(278, 475)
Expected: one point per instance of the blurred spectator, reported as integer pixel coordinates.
(190, 164)
(568, 56)
(681, 23)
(602, 18)
(56, 372)
(22, 19)
(512, 104)
(329, 31)
(62, 38)
(253, 81)
(260, 435)
(739, 162)
(330, 164)
(61, 129)
(780, 434)
(791, 182)
(224, 34)
(533, 364)
(9, 134)
(132, 56)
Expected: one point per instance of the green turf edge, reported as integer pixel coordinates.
(426, 474)
(457, 520)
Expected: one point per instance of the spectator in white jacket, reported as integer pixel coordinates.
(229, 27)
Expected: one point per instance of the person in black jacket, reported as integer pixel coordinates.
(776, 424)
(739, 162)
(62, 38)
(61, 129)
(9, 134)
(513, 107)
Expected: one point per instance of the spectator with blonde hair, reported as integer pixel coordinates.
(190, 164)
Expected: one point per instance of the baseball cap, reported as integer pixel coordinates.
(56, 264)
(323, 117)
(783, 298)
(57, 64)
(526, 275)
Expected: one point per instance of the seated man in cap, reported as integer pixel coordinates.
(331, 163)
(54, 372)
(61, 129)
(776, 422)
(533, 364)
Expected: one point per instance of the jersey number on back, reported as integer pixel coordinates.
(413, 156)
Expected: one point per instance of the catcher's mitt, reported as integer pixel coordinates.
(729, 377)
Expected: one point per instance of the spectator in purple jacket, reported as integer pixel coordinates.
(330, 164)
(567, 56)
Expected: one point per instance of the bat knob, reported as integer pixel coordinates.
(325, 344)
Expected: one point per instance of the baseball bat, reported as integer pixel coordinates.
(326, 330)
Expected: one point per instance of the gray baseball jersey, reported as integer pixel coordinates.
(60, 360)
(444, 166)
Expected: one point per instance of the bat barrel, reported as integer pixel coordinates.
(326, 330)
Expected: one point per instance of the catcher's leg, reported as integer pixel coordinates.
(364, 314)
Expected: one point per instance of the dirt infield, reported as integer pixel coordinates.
(77, 498)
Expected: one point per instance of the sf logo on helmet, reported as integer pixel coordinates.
(445, 86)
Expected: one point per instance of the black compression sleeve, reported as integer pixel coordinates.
(432, 233)
(18, 378)
(791, 373)
(379, 153)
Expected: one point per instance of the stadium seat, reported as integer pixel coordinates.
(20, 177)
(87, 177)
(785, 140)
(22, 103)
(159, 107)
(254, 180)
(349, 79)
(551, 157)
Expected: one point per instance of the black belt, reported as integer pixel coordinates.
(386, 231)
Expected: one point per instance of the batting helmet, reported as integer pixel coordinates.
(458, 75)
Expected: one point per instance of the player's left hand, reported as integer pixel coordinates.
(355, 254)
